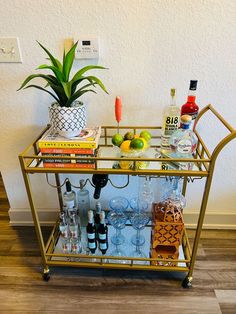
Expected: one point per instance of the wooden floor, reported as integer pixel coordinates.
(22, 289)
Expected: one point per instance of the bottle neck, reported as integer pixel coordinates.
(185, 126)
(172, 101)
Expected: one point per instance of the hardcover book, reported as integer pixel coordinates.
(88, 138)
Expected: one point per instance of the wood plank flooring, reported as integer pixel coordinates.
(22, 289)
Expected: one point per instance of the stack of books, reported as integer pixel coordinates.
(83, 145)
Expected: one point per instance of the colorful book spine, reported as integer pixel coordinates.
(62, 151)
(54, 158)
(67, 145)
(71, 165)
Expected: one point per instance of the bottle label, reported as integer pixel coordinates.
(92, 245)
(69, 204)
(91, 236)
(103, 246)
(102, 236)
(74, 233)
(171, 124)
(184, 146)
(65, 233)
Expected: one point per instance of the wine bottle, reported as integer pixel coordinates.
(103, 234)
(190, 107)
(91, 233)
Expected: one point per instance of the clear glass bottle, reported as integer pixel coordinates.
(146, 191)
(74, 226)
(91, 233)
(171, 121)
(183, 142)
(174, 194)
(83, 203)
(63, 226)
(103, 234)
(69, 196)
(190, 107)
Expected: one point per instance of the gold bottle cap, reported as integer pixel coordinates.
(186, 118)
(172, 92)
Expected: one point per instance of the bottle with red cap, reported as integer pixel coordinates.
(190, 107)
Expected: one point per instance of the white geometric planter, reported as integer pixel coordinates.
(68, 122)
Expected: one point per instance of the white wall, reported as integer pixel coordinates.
(149, 47)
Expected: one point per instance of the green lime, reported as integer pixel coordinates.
(117, 139)
(129, 136)
(137, 144)
(146, 135)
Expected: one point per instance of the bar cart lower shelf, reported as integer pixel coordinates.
(56, 257)
(204, 163)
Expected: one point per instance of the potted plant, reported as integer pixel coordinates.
(67, 114)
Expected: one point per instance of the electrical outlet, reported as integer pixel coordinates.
(10, 50)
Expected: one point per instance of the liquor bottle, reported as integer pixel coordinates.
(63, 226)
(69, 196)
(183, 142)
(91, 233)
(83, 203)
(103, 234)
(171, 121)
(98, 208)
(190, 107)
(74, 226)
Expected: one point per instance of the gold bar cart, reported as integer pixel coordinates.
(204, 164)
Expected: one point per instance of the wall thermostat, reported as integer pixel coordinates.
(87, 48)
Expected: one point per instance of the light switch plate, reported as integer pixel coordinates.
(87, 48)
(10, 50)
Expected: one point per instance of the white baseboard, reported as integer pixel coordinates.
(213, 220)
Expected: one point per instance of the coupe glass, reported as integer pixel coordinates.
(119, 203)
(118, 220)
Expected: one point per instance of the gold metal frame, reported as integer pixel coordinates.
(30, 160)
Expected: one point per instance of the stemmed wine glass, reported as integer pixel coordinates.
(139, 219)
(117, 218)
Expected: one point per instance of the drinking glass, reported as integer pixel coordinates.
(139, 220)
(119, 203)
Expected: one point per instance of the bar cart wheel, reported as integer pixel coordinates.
(46, 274)
(187, 282)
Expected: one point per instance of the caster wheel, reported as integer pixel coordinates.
(187, 283)
(46, 276)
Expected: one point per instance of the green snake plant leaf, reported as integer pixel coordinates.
(98, 82)
(67, 88)
(68, 62)
(77, 95)
(59, 75)
(49, 79)
(45, 90)
(54, 61)
(76, 83)
(79, 74)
